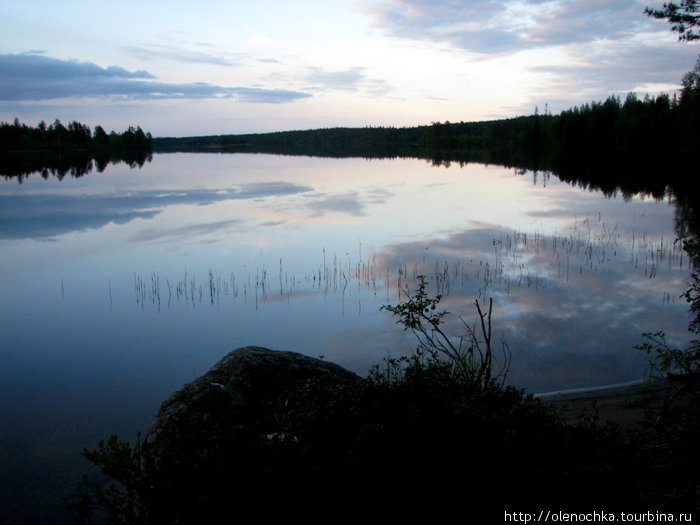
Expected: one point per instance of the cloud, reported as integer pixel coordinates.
(179, 54)
(33, 77)
(346, 80)
(623, 68)
(352, 79)
(496, 27)
(570, 50)
(269, 96)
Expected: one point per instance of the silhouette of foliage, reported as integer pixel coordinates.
(411, 439)
(470, 355)
(377, 449)
(59, 150)
(639, 145)
(683, 17)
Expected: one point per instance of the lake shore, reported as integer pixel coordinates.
(633, 405)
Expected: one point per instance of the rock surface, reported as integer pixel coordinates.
(220, 445)
(249, 382)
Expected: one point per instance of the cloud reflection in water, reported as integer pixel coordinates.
(570, 308)
(38, 216)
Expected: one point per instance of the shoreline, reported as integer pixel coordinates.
(632, 405)
(603, 391)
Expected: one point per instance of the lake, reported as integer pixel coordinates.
(118, 287)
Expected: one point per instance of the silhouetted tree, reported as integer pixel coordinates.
(691, 80)
(100, 137)
(59, 150)
(683, 17)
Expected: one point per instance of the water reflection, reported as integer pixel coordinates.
(151, 276)
(569, 305)
(572, 304)
(50, 215)
(256, 229)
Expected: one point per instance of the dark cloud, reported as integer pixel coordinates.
(619, 69)
(43, 216)
(40, 67)
(35, 77)
(495, 27)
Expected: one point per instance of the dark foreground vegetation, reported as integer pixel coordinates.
(58, 150)
(428, 437)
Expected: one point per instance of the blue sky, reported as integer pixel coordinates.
(183, 68)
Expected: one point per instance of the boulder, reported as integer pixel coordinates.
(250, 382)
(222, 443)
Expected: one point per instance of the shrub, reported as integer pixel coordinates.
(419, 437)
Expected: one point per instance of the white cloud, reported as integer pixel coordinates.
(353, 79)
(498, 27)
(366, 62)
(181, 54)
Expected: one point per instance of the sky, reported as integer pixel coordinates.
(182, 68)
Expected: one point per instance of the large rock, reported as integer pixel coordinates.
(250, 382)
(223, 443)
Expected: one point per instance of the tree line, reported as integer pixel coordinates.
(640, 144)
(633, 139)
(368, 142)
(59, 150)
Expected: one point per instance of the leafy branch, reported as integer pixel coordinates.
(668, 360)
(119, 496)
(683, 17)
(470, 355)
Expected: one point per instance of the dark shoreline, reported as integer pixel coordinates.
(633, 405)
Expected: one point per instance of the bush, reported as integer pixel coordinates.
(417, 438)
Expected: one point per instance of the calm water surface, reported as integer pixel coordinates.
(118, 287)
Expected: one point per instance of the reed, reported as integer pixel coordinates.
(512, 260)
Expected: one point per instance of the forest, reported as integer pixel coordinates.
(59, 150)
(633, 145)
(633, 131)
